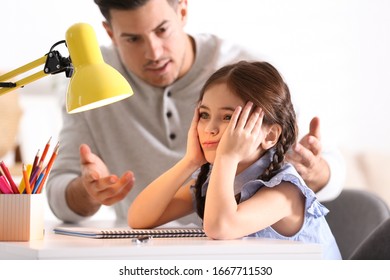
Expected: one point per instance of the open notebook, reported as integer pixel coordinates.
(130, 233)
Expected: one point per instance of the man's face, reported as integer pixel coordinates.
(151, 41)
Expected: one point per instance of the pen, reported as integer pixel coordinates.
(142, 239)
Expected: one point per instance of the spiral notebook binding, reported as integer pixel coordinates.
(155, 233)
(130, 233)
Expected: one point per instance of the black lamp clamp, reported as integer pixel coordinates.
(55, 63)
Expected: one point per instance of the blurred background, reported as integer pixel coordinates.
(333, 54)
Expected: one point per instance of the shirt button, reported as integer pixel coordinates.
(172, 136)
(169, 94)
(169, 114)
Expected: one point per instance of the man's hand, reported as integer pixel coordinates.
(96, 187)
(307, 159)
(102, 187)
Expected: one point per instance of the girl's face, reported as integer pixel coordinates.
(215, 111)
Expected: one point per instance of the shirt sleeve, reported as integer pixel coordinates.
(57, 201)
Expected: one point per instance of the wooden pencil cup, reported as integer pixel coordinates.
(21, 217)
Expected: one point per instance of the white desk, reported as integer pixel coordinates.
(55, 246)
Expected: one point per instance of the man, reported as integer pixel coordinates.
(131, 142)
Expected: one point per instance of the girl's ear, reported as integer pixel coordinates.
(272, 136)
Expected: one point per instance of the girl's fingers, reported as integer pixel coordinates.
(254, 119)
(235, 117)
(195, 118)
(194, 122)
(257, 127)
(244, 115)
(244, 119)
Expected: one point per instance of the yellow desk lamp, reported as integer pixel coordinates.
(93, 83)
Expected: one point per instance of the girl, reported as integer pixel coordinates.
(241, 130)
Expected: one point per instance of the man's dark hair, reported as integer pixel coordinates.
(106, 5)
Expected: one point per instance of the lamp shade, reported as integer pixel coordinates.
(93, 83)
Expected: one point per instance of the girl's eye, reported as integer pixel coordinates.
(203, 115)
(227, 118)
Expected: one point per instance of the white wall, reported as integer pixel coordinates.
(334, 54)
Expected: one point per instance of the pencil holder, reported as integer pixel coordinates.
(21, 217)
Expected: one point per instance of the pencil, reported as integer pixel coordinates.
(48, 167)
(22, 185)
(26, 181)
(5, 188)
(38, 181)
(36, 160)
(9, 177)
(34, 175)
(45, 151)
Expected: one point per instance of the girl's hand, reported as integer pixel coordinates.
(243, 135)
(194, 150)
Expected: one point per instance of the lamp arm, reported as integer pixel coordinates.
(9, 86)
(54, 64)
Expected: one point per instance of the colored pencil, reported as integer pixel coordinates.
(36, 161)
(35, 174)
(38, 181)
(5, 188)
(22, 185)
(26, 181)
(48, 167)
(45, 151)
(7, 174)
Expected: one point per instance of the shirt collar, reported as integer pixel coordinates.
(249, 174)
